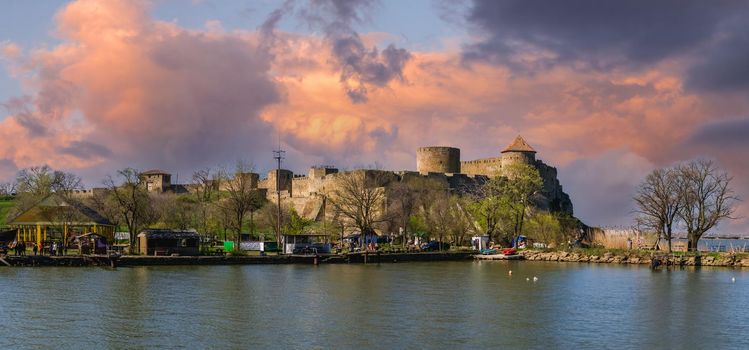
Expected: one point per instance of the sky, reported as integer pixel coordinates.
(606, 91)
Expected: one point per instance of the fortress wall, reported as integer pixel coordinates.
(300, 186)
(485, 166)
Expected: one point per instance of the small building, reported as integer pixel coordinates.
(58, 218)
(480, 242)
(156, 180)
(307, 243)
(169, 242)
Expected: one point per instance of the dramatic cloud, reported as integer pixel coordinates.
(599, 33)
(124, 89)
(724, 68)
(160, 95)
(361, 67)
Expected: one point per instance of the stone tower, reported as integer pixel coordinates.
(438, 160)
(518, 151)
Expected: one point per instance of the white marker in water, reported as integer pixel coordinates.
(510, 273)
(535, 279)
(527, 279)
(733, 279)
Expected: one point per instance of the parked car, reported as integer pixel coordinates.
(434, 246)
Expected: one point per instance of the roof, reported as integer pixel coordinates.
(169, 234)
(55, 208)
(155, 172)
(519, 145)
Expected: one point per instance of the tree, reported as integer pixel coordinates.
(462, 223)
(35, 183)
(404, 198)
(205, 186)
(132, 201)
(7, 188)
(437, 212)
(659, 201)
(241, 196)
(269, 217)
(175, 211)
(297, 224)
(544, 227)
(503, 201)
(491, 208)
(360, 199)
(707, 198)
(525, 182)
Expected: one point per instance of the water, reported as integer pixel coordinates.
(452, 305)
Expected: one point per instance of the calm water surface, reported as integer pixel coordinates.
(449, 305)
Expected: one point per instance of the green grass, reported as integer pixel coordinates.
(5, 206)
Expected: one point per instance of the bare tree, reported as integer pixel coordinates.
(35, 183)
(269, 217)
(132, 201)
(206, 185)
(403, 202)
(438, 212)
(360, 199)
(7, 188)
(659, 201)
(707, 197)
(242, 197)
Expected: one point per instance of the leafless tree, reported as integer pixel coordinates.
(35, 183)
(206, 184)
(132, 201)
(241, 197)
(707, 197)
(359, 197)
(659, 201)
(7, 188)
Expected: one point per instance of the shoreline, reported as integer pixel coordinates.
(606, 257)
(640, 258)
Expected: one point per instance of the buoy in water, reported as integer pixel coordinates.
(535, 279)
(510, 273)
(527, 279)
(733, 279)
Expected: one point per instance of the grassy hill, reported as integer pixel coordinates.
(5, 205)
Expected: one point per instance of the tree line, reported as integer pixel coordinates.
(226, 203)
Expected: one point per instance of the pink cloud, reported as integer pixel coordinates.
(123, 89)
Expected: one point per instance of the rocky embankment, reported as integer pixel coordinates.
(724, 259)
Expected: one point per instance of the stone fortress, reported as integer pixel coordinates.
(441, 165)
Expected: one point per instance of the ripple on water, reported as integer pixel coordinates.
(410, 305)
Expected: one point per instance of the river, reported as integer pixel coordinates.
(451, 305)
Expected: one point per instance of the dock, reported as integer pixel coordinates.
(498, 257)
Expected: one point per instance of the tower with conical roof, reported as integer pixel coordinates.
(518, 151)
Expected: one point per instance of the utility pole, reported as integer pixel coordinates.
(278, 156)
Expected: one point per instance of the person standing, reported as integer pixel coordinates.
(35, 249)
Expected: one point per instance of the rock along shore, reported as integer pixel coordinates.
(724, 259)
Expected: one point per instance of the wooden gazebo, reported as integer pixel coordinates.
(56, 217)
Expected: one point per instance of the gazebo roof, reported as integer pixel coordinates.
(55, 209)
(519, 145)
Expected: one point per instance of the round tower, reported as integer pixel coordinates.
(438, 160)
(518, 151)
